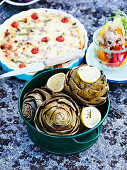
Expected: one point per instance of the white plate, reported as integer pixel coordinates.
(116, 76)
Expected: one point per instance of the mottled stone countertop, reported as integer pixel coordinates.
(17, 151)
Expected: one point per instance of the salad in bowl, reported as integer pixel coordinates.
(110, 42)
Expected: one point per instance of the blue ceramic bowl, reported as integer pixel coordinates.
(21, 4)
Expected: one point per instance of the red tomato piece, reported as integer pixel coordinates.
(60, 39)
(45, 39)
(117, 47)
(58, 66)
(35, 50)
(25, 20)
(10, 47)
(115, 58)
(114, 61)
(34, 16)
(3, 46)
(64, 20)
(15, 24)
(22, 65)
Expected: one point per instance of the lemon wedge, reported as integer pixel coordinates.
(90, 116)
(56, 82)
(89, 74)
(104, 28)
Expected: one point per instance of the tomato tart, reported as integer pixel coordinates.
(38, 35)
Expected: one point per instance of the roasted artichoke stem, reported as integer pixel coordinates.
(33, 99)
(59, 115)
(87, 94)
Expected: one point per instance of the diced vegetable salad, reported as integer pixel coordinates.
(113, 37)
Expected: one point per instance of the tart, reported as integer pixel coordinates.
(38, 35)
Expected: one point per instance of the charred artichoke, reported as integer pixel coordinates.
(32, 100)
(88, 94)
(58, 116)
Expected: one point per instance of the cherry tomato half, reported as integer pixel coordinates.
(25, 20)
(15, 24)
(60, 39)
(45, 39)
(35, 50)
(117, 47)
(22, 65)
(3, 46)
(64, 20)
(58, 66)
(34, 16)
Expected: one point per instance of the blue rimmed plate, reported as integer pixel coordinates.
(21, 4)
(116, 76)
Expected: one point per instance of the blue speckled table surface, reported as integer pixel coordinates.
(17, 150)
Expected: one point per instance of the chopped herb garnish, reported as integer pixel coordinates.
(28, 56)
(3, 42)
(90, 114)
(23, 34)
(18, 61)
(74, 23)
(46, 21)
(20, 20)
(74, 26)
(63, 34)
(28, 28)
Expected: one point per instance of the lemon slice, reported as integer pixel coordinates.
(90, 116)
(89, 74)
(56, 82)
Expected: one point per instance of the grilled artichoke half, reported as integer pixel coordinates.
(58, 116)
(33, 99)
(88, 94)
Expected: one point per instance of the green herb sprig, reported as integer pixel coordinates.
(123, 16)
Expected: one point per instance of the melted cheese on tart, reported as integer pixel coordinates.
(17, 43)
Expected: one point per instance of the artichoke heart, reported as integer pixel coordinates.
(32, 100)
(58, 115)
(88, 94)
